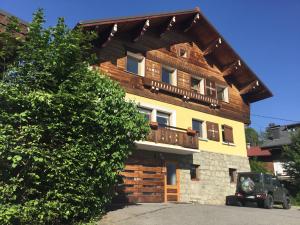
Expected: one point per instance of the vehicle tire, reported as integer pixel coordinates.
(268, 203)
(241, 203)
(260, 204)
(286, 203)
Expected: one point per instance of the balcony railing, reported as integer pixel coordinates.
(174, 136)
(183, 93)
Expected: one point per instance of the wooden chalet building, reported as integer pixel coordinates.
(196, 93)
(5, 18)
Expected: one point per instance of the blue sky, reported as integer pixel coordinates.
(266, 34)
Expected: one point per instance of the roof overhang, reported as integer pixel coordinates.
(194, 24)
(158, 147)
(257, 151)
(5, 17)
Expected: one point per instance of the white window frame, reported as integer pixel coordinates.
(155, 108)
(226, 94)
(141, 62)
(173, 74)
(185, 55)
(143, 111)
(202, 88)
(202, 124)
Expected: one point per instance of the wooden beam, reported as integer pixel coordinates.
(169, 26)
(212, 46)
(142, 31)
(250, 87)
(111, 34)
(194, 21)
(232, 68)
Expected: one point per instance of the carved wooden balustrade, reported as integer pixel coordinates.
(174, 136)
(187, 95)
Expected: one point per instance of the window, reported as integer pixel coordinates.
(222, 93)
(210, 88)
(227, 134)
(197, 85)
(197, 126)
(146, 113)
(268, 179)
(168, 75)
(135, 63)
(194, 171)
(171, 174)
(182, 53)
(212, 131)
(163, 119)
(276, 183)
(232, 175)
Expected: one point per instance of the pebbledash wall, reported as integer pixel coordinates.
(214, 158)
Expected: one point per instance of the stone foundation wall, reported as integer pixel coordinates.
(214, 183)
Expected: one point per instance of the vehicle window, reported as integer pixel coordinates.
(254, 177)
(268, 179)
(276, 183)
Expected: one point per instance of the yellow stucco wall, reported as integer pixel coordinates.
(184, 118)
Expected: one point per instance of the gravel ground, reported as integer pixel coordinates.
(195, 214)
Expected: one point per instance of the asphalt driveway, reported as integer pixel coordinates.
(195, 214)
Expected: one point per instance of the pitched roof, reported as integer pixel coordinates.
(11, 15)
(257, 151)
(204, 34)
(4, 19)
(282, 135)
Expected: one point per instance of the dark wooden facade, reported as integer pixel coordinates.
(159, 38)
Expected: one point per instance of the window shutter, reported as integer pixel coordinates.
(208, 128)
(228, 134)
(212, 131)
(211, 88)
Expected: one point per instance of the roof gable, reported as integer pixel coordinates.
(194, 24)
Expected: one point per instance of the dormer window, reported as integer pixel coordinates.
(222, 93)
(182, 53)
(169, 75)
(135, 64)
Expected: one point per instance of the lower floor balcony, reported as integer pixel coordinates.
(170, 139)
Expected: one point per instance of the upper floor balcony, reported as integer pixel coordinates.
(185, 94)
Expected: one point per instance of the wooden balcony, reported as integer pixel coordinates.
(174, 136)
(186, 95)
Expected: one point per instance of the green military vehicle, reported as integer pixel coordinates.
(264, 189)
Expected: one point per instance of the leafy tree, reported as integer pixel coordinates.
(252, 137)
(65, 130)
(257, 166)
(291, 153)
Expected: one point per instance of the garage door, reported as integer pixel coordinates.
(143, 183)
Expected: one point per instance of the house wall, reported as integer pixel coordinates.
(214, 158)
(184, 120)
(213, 184)
(214, 181)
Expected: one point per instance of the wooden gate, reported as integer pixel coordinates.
(143, 183)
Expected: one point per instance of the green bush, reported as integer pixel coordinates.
(296, 200)
(65, 130)
(257, 166)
